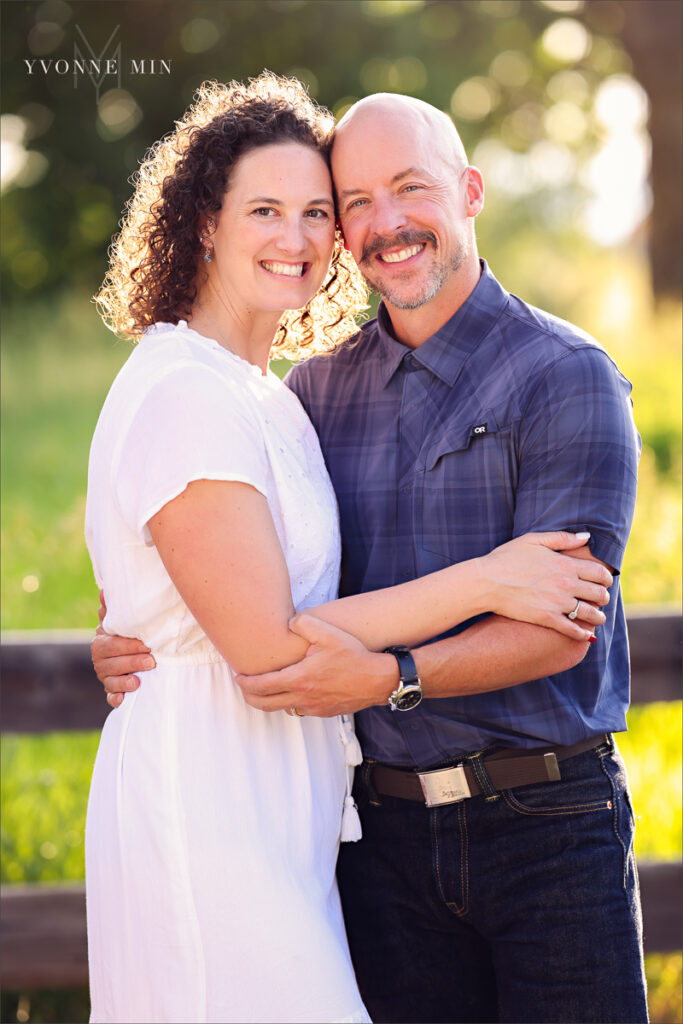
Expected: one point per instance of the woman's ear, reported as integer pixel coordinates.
(205, 226)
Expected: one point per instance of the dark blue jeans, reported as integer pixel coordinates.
(520, 908)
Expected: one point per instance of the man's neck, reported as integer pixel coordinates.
(412, 327)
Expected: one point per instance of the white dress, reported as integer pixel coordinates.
(213, 829)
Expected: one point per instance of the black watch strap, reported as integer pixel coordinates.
(406, 663)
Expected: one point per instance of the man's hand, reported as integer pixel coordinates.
(337, 676)
(114, 658)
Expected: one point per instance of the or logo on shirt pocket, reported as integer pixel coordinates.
(466, 501)
(459, 437)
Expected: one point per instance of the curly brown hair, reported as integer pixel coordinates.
(154, 260)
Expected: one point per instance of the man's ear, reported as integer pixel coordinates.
(474, 192)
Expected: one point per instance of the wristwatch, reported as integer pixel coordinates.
(408, 693)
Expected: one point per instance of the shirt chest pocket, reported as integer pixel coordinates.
(467, 490)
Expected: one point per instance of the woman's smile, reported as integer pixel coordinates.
(280, 269)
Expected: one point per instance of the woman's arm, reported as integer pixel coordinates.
(220, 548)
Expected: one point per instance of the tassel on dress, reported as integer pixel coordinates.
(351, 830)
(352, 752)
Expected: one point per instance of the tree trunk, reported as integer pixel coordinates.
(651, 34)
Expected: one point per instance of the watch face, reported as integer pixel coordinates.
(409, 698)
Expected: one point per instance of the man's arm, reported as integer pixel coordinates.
(578, 461)
(577, 468)
(116, 659)
(339, 675)
(495, 653)
(404, 608)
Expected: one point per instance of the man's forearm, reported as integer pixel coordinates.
(493, 654)
(339, 675)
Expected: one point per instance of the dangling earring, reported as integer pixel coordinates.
(208, 255)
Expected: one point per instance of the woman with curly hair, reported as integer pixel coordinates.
(213, 828)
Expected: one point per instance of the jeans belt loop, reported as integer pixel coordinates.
(366, 773)
(482, 776)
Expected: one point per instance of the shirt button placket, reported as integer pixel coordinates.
(410, 426)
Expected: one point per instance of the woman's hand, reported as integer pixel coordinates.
(533, 581)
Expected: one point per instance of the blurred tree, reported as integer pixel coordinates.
(652, 32)
(519, 76)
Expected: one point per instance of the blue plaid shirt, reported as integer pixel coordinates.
(506, 420)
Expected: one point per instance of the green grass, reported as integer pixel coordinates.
(44, 791)
(652, 750)
(57, 366)
(58, 362)
(664, 986)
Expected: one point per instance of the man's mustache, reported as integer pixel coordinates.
(400, 241)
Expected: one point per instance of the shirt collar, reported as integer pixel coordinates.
(445, 353)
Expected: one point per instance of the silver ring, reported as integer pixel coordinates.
(573, 615)
(293, 712)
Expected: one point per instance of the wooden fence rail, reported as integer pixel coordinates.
(48, 683)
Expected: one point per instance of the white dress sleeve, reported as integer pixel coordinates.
(193, 424)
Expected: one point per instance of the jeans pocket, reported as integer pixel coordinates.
(583, 789)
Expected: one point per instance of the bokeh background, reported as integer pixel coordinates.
(571, 108)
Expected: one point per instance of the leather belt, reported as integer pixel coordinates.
(506, 769)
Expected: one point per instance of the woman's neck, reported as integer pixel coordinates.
(246, 333)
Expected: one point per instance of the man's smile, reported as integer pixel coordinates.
(401, 255)
(404, 246)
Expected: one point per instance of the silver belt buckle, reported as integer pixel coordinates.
(444, 786)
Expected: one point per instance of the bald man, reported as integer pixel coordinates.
(495, 879)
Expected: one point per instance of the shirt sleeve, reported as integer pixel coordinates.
(578, 454)
(191, 425)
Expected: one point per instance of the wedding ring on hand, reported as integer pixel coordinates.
(293, 712)
(574, 614)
